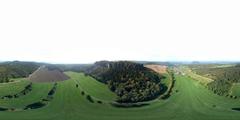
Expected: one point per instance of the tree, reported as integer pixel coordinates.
(126, 79)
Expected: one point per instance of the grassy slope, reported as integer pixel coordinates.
(92, 87)
(192, 101)
(235, 90)
(13, 87)
(189, 72)
(38, 92)
(166, 80)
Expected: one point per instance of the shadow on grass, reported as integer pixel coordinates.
(128, 105)
(236, 109)
(3, 109)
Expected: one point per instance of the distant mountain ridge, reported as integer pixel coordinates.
(16, 69)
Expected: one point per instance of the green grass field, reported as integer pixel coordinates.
(235, 90)
(192, 102)
(13, 87)
(201, 79)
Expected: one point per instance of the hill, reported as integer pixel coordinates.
(16, 69)
(47, 74)
(224, 77)
(132, 82)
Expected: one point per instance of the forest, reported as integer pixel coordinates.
(132, 82)
(16, 69)
(223, 78)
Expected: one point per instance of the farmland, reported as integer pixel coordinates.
(189, 100)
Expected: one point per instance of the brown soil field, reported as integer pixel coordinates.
(43, 74)
(157, 68)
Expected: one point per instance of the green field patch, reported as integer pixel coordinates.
(235, 90)
(41, 103)
(12, 88)
(89, 85)
(201, 79)
(166, 79)
(26, 90)
(38, 92)
(45, 101)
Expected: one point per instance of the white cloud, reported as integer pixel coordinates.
(86, 31)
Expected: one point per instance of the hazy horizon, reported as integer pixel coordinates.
(89, 31)
(183, 62)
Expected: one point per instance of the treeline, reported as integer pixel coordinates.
(238, 65)
(223, 78)
(132, 82)
(16, 69)
(72, 67)
(172, 79)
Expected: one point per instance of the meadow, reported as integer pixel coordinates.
(189, 100)
(235, 90)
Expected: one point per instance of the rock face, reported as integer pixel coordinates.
(44, 74)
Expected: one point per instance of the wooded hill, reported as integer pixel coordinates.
(223, 77)
(132, 82)
(16, 69)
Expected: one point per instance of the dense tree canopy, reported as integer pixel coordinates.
(132, 82)
(223, 78)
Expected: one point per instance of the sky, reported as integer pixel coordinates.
(58, 31)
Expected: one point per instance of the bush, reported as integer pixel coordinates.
(83, 93)
(89, 98)
(100, 102)
(35, 105)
